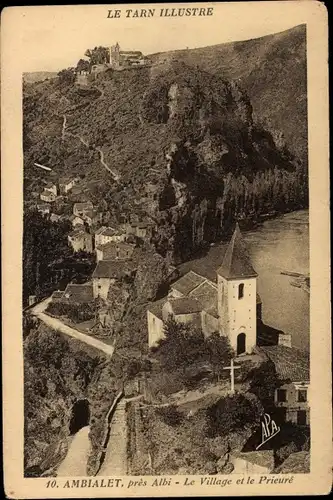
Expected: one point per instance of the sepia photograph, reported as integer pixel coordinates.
(166, 281)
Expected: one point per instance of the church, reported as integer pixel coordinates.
(229, 305)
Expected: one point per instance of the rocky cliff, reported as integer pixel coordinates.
(183, 142)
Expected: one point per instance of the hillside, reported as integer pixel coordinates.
(272, 70)
(171, 141)
(38, 76)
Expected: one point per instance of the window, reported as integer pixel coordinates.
(241, 291)
(302, 396)
(281, 395)
(301, 417)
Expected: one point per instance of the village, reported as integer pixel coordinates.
(228, 304)
(198, 359)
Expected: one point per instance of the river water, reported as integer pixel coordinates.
(276, 245)
(282, 244)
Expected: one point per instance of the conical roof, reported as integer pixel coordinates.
(236, 262)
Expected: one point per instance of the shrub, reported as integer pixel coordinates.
(231, 413)
(170, 415)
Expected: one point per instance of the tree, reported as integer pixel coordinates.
(82, 65)
(183, 345)
(66, 76)
(98, 55)
(220, 352)
(263, 383)
(232, 413)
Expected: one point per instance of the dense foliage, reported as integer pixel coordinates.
(185, 355)
(232, 413)
(48, 260)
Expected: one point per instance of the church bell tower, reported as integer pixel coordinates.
(237, 296)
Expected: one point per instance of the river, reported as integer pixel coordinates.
(280, 244)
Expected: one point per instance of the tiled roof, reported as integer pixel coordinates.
(78, 293)
(206, 294)
(112, 269)
(116, 244)
(130, 52)
(67, 180)
(79, 233)
(206, 266)
(112, 248)
(109, 231)
(187, 283)
(91, 213)
(83, 206)
(73, 217)
(290, 363)
(236, 262)
(100, 230)
(48, 193)
(156, 307)
(264, 458)
(296, 463)
(185, 305)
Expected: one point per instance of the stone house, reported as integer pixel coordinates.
(43, 208)
(79, 239)
(51, 187)
(76, 220)
(108, 234)
(292, 367)
(114, 251)
(66, 184)
(77, 294)
(92, 217)
(108, 272)
(80, 209)
(142, 229)
(55, 218)
(48, 196)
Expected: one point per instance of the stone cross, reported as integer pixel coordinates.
(232, 369)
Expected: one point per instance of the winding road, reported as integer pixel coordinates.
(113, 172)
(75, 462)
(58, 325)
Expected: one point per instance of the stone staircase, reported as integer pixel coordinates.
(115, 461)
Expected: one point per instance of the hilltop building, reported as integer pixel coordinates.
(126, 58)
(229, 305)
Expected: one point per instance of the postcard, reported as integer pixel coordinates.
(166, 278)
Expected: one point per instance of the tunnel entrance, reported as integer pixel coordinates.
(80, 416)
